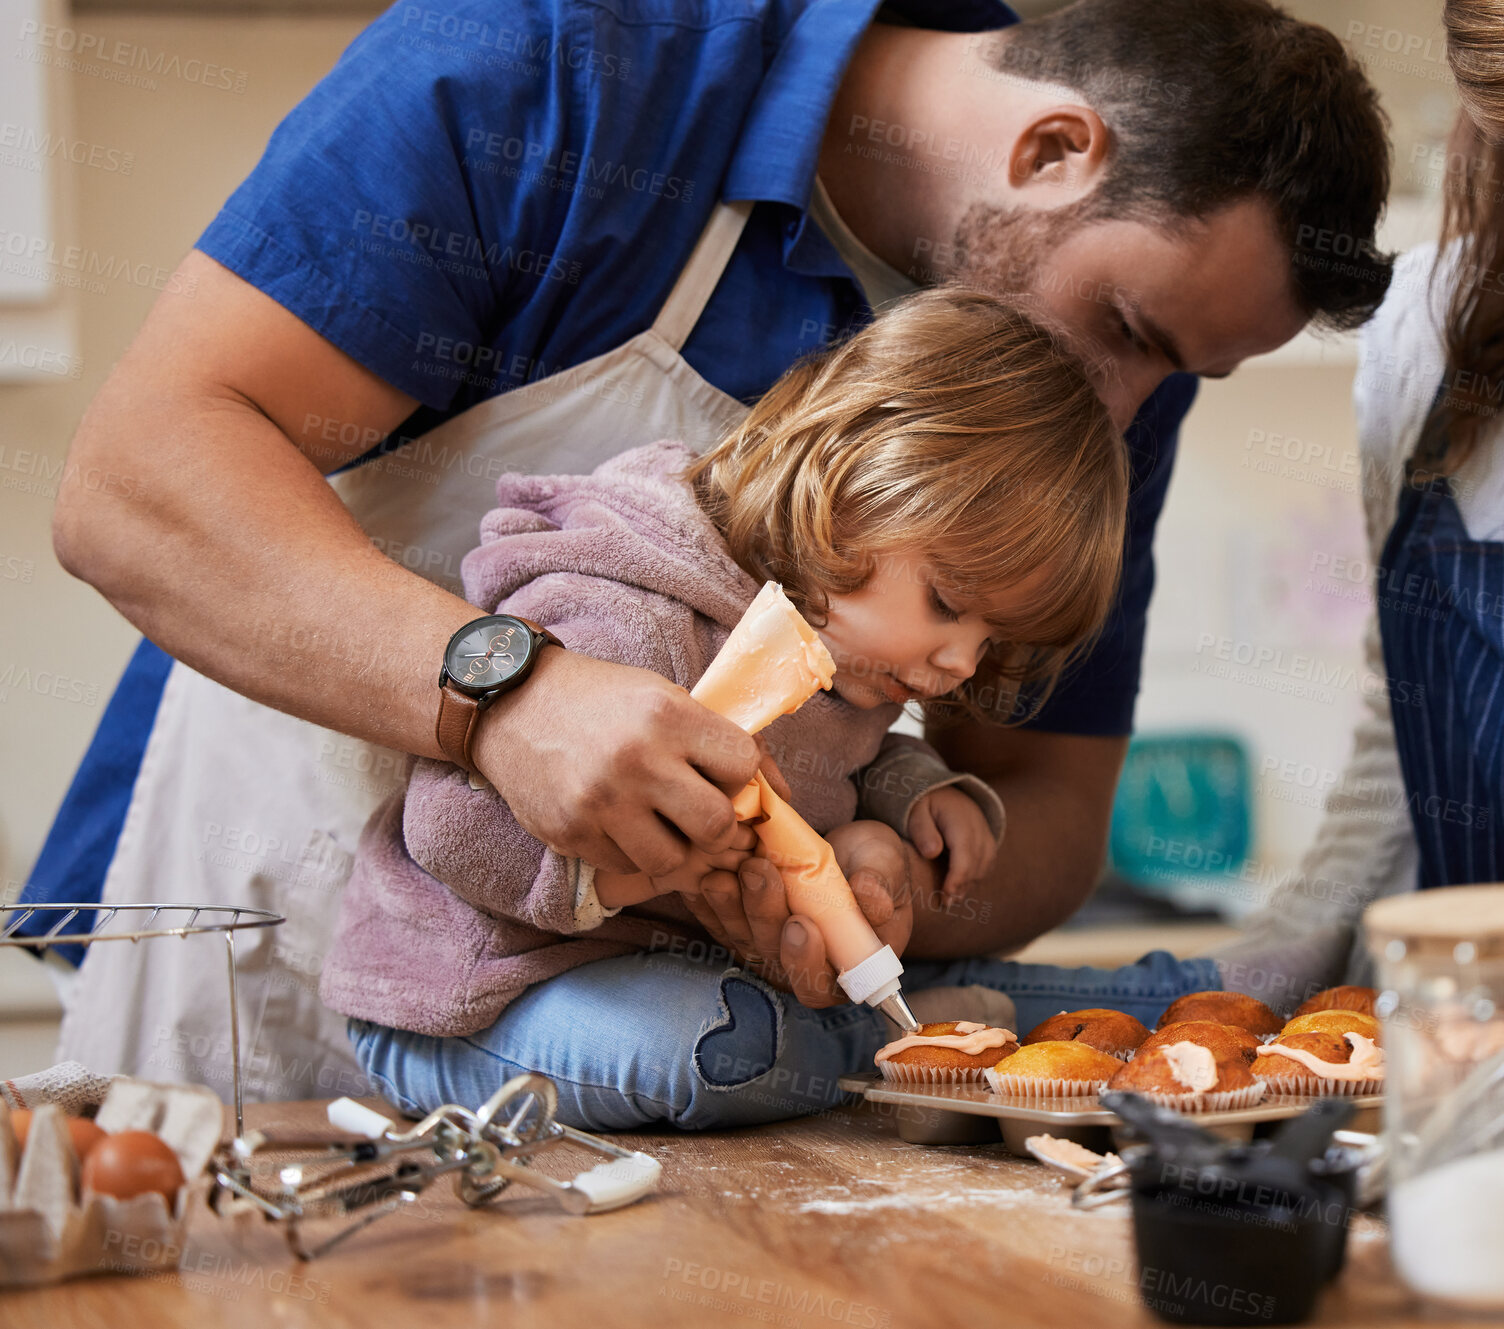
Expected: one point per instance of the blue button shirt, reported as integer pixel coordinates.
(479, 195)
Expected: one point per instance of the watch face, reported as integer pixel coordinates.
(488, 653)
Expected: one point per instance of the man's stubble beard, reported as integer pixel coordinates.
(1001, 250)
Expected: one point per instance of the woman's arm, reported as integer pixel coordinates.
(1299, 942)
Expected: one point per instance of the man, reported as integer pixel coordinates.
(468, 205)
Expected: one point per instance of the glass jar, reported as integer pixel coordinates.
(1440, 957)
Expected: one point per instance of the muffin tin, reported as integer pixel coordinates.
(973, 1114)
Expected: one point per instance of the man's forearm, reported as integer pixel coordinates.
(235, 556)
(223, 542)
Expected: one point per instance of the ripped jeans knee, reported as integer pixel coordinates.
(763, 1057)
(743, 1040)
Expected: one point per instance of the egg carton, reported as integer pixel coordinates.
(49, 1232)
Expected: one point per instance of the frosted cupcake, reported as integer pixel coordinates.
(1336, 1022)
(1190, 1078)
(950, 1052)
(1057, 1069)
(1322, 1061)
(1226, 1042)
(1113, 1032)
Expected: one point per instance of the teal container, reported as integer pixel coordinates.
(1183, 811)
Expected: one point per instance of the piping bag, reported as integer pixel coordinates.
(771, 664)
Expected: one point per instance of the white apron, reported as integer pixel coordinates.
(237, 803)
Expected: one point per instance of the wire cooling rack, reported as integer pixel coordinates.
(162, 920)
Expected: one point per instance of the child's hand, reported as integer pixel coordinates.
(949, 821)
(616, 890)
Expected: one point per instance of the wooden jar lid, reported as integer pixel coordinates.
(1437, 922)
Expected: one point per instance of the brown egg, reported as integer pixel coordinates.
(132, 1163)
(83, 1132)
(85, 1136)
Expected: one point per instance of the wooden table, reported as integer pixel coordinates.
(812, 1224)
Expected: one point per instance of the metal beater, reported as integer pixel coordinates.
(371, 1169)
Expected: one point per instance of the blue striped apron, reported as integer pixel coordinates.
(1441, 616)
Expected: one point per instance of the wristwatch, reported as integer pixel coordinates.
(487, 657)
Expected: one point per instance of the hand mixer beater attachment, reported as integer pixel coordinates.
(370, 1169)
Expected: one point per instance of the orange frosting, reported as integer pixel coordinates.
(970, 1038)
(1193, 1066)
(771, 664)
(1367, 1062)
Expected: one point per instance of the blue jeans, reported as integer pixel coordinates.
(662, 1038)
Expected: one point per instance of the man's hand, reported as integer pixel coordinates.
(748, 912)
(615, 765)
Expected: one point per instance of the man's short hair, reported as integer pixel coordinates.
(1210, 101)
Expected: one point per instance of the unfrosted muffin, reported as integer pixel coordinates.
(1223, 1008)
(1338, 1023)
(1113, 1032)
(1058, 1069)
(1322, 1061)
(1226, 1041)
(1345, 998)
(1189, 1077)
(950, 1051)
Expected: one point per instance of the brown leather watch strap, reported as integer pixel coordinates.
(455, 728)
(541, 631)
(458, 711)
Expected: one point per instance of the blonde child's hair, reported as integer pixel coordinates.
(953, 427)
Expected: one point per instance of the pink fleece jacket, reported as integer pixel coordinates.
(453, 909)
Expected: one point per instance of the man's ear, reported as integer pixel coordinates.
(1061, 150)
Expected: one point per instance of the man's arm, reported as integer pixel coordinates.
(1058, 789)
(229, 550)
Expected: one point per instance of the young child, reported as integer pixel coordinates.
(943, 497)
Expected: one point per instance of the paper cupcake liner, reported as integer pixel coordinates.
(1034, 1086)
(898, 1073)
(1305, 1084)
(1224, 1100)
